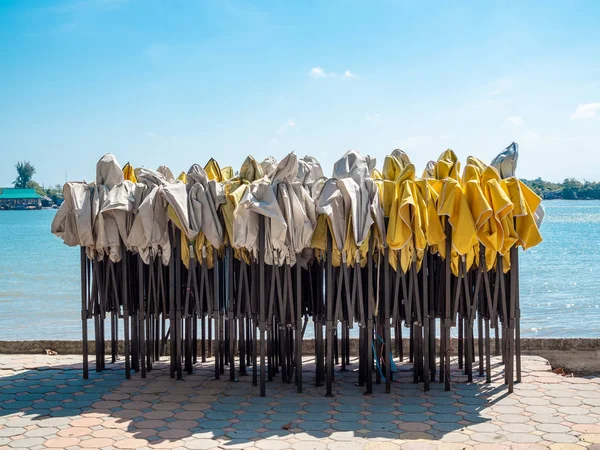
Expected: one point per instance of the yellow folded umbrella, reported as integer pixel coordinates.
(481, 211)
(452, 203)
(497, 234)
(128, 173)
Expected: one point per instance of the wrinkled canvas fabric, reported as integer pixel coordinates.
(488, 208)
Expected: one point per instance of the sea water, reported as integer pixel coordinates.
(560, 290)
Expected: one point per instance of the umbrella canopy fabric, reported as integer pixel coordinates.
(486, 206)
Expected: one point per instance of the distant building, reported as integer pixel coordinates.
(47, 202)
(11, 198)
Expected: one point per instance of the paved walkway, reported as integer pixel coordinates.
(45, 403)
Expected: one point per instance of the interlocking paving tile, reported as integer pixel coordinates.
(44, 403)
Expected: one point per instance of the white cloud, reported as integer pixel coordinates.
(531, 136)
(319, 72)
(516, 120)
(283, 129)
(373, 118)
(586, 111)
(500, 86)
(151, 134)
(274, 141)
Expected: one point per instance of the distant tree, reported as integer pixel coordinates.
(25, 172)
(37, 186)
(570, 188)
(545, 189)
(55, 193)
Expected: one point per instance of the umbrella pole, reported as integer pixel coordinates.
(336, 360)
(348, 346)
(141, 315)
(103, 309)
(195, 338)
(396, 334)
(460, 343)
(505, 320)
(447, 298)
(216, 315)
(96, 312)
(114, 338)
(464, 318)
(125, 301)
(480, 340)
(468, 328)
(329, 319)
(157, 313)
(368, 363)
(203, 337)
(361, 356)
(270, 356)
(411, 341)
(282, 325)
(515, 275)
(249, 339)
(496, 337)
(187, 326)
(241, 314)
(262, 302)
(298, 331)
(400, 341)
(133, 309)
(433, 297)
(318, 325)
(386, 321)
(242, 344)
(342, 340)
(163, 319)
(511, 322)
(222, 305)
(209, 323)
(425, 300)
(172, 284)
(253, 326)
(442, 314)
(178, 318)
(84, 328)
(230, 319)
(149, 317)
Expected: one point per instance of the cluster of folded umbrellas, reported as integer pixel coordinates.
(235, 264)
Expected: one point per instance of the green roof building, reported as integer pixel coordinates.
(11, 198)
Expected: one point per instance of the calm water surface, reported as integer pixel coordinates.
(560, 289)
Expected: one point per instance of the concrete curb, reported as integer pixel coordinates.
(578, 355)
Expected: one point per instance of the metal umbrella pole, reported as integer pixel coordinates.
(514, 273)
(84, 311)
(230, 319)
(125, 303)
(447, 300)
(386, 320)
(329, 319)
(262, 303)
(298, 330)
(425, 298)
(368, 365)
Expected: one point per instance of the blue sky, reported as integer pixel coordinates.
(178, 82)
